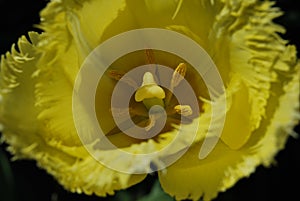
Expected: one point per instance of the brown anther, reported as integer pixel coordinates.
(150, 60)
(149, 56)
(117, 75)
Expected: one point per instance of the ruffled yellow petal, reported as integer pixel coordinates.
(192, 178)
(84, 175)
(284, 119)
(257, 43)
(17, 88)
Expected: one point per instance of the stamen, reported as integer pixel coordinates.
(184, 110)
(150, 56)
(122, 112)
(117, 75)
(150, 60)
(177, 77)
(114, 74)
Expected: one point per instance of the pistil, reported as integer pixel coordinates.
(150, 93)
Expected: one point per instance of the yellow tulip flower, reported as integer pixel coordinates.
(259, 71)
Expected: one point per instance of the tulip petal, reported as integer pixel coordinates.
(237, 130)
(57, 74)
(17, 89)
(192, 178)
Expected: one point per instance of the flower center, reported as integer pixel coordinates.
(153, 96)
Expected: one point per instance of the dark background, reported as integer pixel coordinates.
(23, 181)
